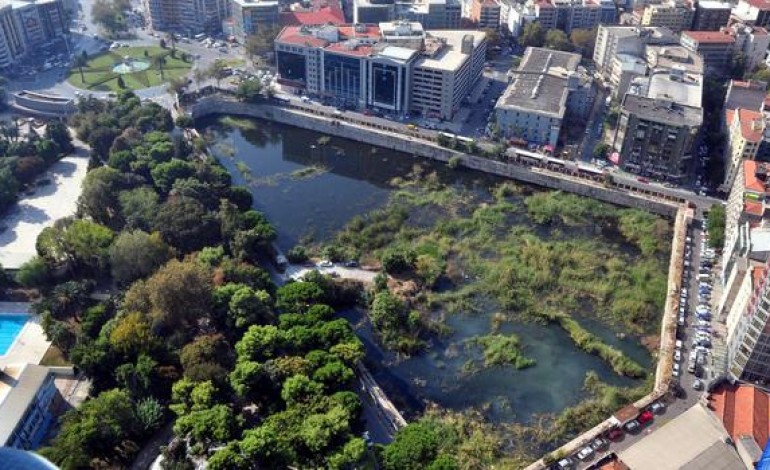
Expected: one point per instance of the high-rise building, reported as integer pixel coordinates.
(716, 48)
(677, 15)
(711, 15)
(186, 16)
(753, 12)
(248, 16)
(485, 13)
(659, 119)
(745, 128)
(24, 25)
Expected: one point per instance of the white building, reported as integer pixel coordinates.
(631, 40)
(25, 25)
(547, 87)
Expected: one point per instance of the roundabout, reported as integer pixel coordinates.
(131, 68)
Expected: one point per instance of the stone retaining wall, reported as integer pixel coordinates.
(422, 148)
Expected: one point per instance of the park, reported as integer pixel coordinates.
(130, 68)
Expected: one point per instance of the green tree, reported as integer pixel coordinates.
(715, 224)
(557, 39)
(533, 35)
(186, 225)
(165, 174)
(601, 151)
(414, 448)
(137, 254)
(248, 306)
(215, 425)
(132, 335)
(150, 414)
(583, 40)
(139, 207)
(249, 90)
(102, 429)
(99, 196)
(260, 342)
(180, 294)
(60, 135)
(300, 389)
(296, 297)
(34, 273)
(207, 358)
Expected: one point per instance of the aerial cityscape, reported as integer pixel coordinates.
(385, 234)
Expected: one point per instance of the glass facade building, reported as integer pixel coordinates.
(342, 77)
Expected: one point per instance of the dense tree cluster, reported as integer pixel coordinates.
(253, 376)
(24, 157)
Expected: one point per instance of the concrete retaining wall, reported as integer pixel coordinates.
(422, 148)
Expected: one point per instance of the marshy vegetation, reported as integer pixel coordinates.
(545, 257)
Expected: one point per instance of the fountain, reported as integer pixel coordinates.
(130, 65)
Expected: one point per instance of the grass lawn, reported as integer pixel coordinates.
(99, 76)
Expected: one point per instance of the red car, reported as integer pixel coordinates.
(615, 434)
(645, 417)
(642, 179)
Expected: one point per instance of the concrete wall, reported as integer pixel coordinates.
(423, 148)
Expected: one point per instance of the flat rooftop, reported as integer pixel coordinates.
(542, 87)
(450, 57)
(694, 440)
(714, 5)
(687, 91)
(18, 386)
(662, 111)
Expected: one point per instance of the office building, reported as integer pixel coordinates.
(249, 16)
(753, 13)
(396, 67)
(676, 15)
(28, 397)
(186, 16)
(548, 88)
(748, 352)
(711, 15)
(659, 119)
(25, 25)
(485, 13)
(631, 40)
(432, 14)
(716, 48)
(450, 65)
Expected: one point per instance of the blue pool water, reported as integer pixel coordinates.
(10, 326)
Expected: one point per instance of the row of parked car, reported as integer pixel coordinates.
(601, 443)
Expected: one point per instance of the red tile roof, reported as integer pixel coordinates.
(343, 49)
(751, 182)
(744, 411)
(293, 35)
(312, 18)
(756, 275)
(753, 208)
(747, 119)
(712, 37)
(760, 4)
(371, 31)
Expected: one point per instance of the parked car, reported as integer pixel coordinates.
(631, 426)
(677, 355)
(676, 371)
(615, 434)
(585, 453)
(565, 463)
(599, 443)
(698, 384)
(657, 407)
(326, 264)
(645, 417)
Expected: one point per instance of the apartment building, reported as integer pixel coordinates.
(432, 14)
(248, 16)
(751, 42)
(711, 15)
(549, 88)
(485, 13)
(186, 16)
(27, 401)
(24, 25)
(515, 15)
(745, 130)
(753, 13)
(612, 41)
(677, 15)
(546, 14)
(716, 48)
(659, 119)
(383, 67)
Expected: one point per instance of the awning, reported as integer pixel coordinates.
(548, 148)
(615, 158)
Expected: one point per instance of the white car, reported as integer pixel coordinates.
(677, 355)
(585, 453)
(326, 264)
(676, 370)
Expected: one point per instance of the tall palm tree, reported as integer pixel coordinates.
(160, 61)
(80, 62)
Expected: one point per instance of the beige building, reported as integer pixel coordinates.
(677, 15)
(631, 40)
(745, 128)
(24, 25)
(450, 65)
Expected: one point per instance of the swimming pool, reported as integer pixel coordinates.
(10, 326)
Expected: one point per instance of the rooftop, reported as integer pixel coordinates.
(543, 85)
(672, 55)
(709, 37)
(714, 5)
(751, 122)
(676, 85)
(662, 111)
(18, 386)
(745, 94)
(322, 36)
(320, 12)
(759, 4)
(699, 445)
(450, 57)
(753, 174)
(744, 410)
